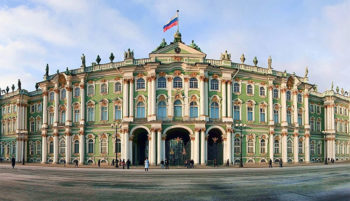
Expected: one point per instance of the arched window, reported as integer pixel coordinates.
(236, 88)
(51, 96)
(140, 83)
(161, 83)
(51, 147)
(117, 87)
(250, 146)
(103, 146)
(118, 112)
(289, 147)
(237, 145)
(214, 84)
(103, 88)
(289, 97)
(275, 93)
(76, 146)
(262, 91)
(193, 110)
(91, 90)
(249, 89)
(300, 98)
(76, 91)
(177, 108)
(193, 83)
(140, 110)
(275, 116)
(262, 115)
(161, 113)
(62, 146)
(90, 146)
(214, 110)
(104, 113)
(250, 113)
(262, 146)
(177, 83)
(277, 147)
(289, 116)
(301, 150)
(236, 112)
(63, 94)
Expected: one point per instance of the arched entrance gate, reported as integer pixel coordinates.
(139, 146)
(177, 146)
(215, 146)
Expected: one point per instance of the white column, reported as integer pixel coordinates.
(295, 107)
(284, 147)
(229, 100)
(125, 99)
(153, 148)
(149, 98)
(82, 102)
(196, 146)
(203, 150)
(170, 101)
(153, 98)
(131, 99)
(159, 147)
(192, 148)
(126, 142)
(271, 151)
(44, 109)
(206, 98)
(202, 98)
(296, 148)
(223, 92)
(17, 150)
(271, 122)
(186, 106)
(284, 121)
(55, 148)
(81, 149)
(68, 147)
(307, 148)
(56, 99)
(229, 146)
(69, 104)
(44, 149)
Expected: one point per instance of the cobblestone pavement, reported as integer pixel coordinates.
(322, 182)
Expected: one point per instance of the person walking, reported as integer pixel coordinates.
(99, 162)
(13, 162)
(281, 162)
(162, 164)
(128, 164)
(123, 163)
(64, 163)
(113, 162)
(227, 163)
(166, 164)
(215, 163)
(76, 163)
(146, 165)
(270, 163)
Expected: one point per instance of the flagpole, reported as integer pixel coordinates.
(178, 21)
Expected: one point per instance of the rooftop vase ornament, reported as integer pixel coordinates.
(332, 86)
(67, 71)
(98, 59)
(111, 57)
(36, 86)
(337, 89)
(13, 87)
(242, 59)
(19, 84)
(83, 64)
(269, 62)
(255, 61)
(47, 70)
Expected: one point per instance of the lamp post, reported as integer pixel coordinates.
(117, 125)
(241, 126)
(325, 150)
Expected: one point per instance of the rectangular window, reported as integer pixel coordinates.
(104, 114)
(236, 112)
(275, 116)
(91, 114)
(118, 113)
(262, 115)
(250, 114)
(51, 115)
(76, 116)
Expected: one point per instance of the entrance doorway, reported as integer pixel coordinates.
(215, 148)
(178, 146)
(140, 146)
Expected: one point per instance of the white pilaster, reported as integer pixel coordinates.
(196, 147)
(223, 94)
(68, 148)
(131, 100)
(159, 146)
(153, 97)
(170, 100)
(55, 148)
(229, 146)
(296, 148)
(82, 102)
(44, 149)
(126, 142)
(153, 148)
(271, 142)
(229, 100)
(81, 149)
(69, 103)
(56, 99)
(125, 99)
(44, 109)
(307, 147)
(203, 147)
(186, 105)
(271, 121)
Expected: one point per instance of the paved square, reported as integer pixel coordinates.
(290, 183)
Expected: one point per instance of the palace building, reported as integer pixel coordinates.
(176, 105)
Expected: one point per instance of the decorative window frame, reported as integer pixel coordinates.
(93, 138)
(264, 106)
(237, 102)
(166, 82)
(219, 83)
(265, 90)
(246, 88)
(240, 87)
(90, 104)
(100, 137)
(118, 102)
(115, 88)
(217, 99)
(104, 82)
(135, 83)
(250, 137)
(250, 103)
(87, 89)
(102, 103)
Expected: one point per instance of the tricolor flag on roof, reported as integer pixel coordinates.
(172, 22)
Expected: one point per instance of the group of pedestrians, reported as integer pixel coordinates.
(121, 163)
(280, 162)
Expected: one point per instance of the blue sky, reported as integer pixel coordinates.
(295, 34)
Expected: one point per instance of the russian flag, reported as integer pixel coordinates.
(172, 22)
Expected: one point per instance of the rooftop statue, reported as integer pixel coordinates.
(195, 46)
(19, 84)
(306, 72)
(47, 70)
(332, 86)
(129, 54)
(162, 45)
(242, 58)
(83, 64)
(67, 71)
(13, 87)
(255, 61)
(225, 56)
(7, 89)
(269, 62)
(337, 89)
(36, 86)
